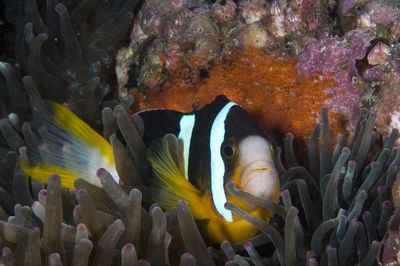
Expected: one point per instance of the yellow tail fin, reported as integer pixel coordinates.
(70, 148)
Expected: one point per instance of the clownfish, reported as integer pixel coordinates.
(221, 143)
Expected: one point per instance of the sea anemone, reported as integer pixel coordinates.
(334, 211)
(68, 49)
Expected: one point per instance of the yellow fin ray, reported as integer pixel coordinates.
(42, 172)
(169, 183)
(70, 148)
(67, 120)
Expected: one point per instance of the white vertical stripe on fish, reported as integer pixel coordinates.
(217, 165)
(186, 129)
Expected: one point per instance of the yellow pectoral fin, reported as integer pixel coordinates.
(169, 184)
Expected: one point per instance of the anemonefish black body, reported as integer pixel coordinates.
(221, 143)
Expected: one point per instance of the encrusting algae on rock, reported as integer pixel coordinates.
(268, 87)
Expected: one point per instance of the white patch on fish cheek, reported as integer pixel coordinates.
(258, 176)
(262, 183)
(254, 148)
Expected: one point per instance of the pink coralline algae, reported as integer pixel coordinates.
(337, 57)
(374, 14)
(386, 76)
(378, 54)
(382, 14)
(304, 18)
(253, 11)
(224, 13)
(391, 250)
(365, 65)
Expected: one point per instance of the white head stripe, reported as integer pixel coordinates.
(186, 128)
(217, 163)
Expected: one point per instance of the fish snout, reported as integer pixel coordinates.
(260, 179)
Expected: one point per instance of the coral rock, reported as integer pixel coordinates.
(378, 54)
(258, 82)
(224, 13)
(253, 11)
(337, 57)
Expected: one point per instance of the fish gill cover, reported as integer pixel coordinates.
(334, 211)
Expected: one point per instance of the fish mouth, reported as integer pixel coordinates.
(259, 179)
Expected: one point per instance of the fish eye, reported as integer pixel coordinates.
(228, 151)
